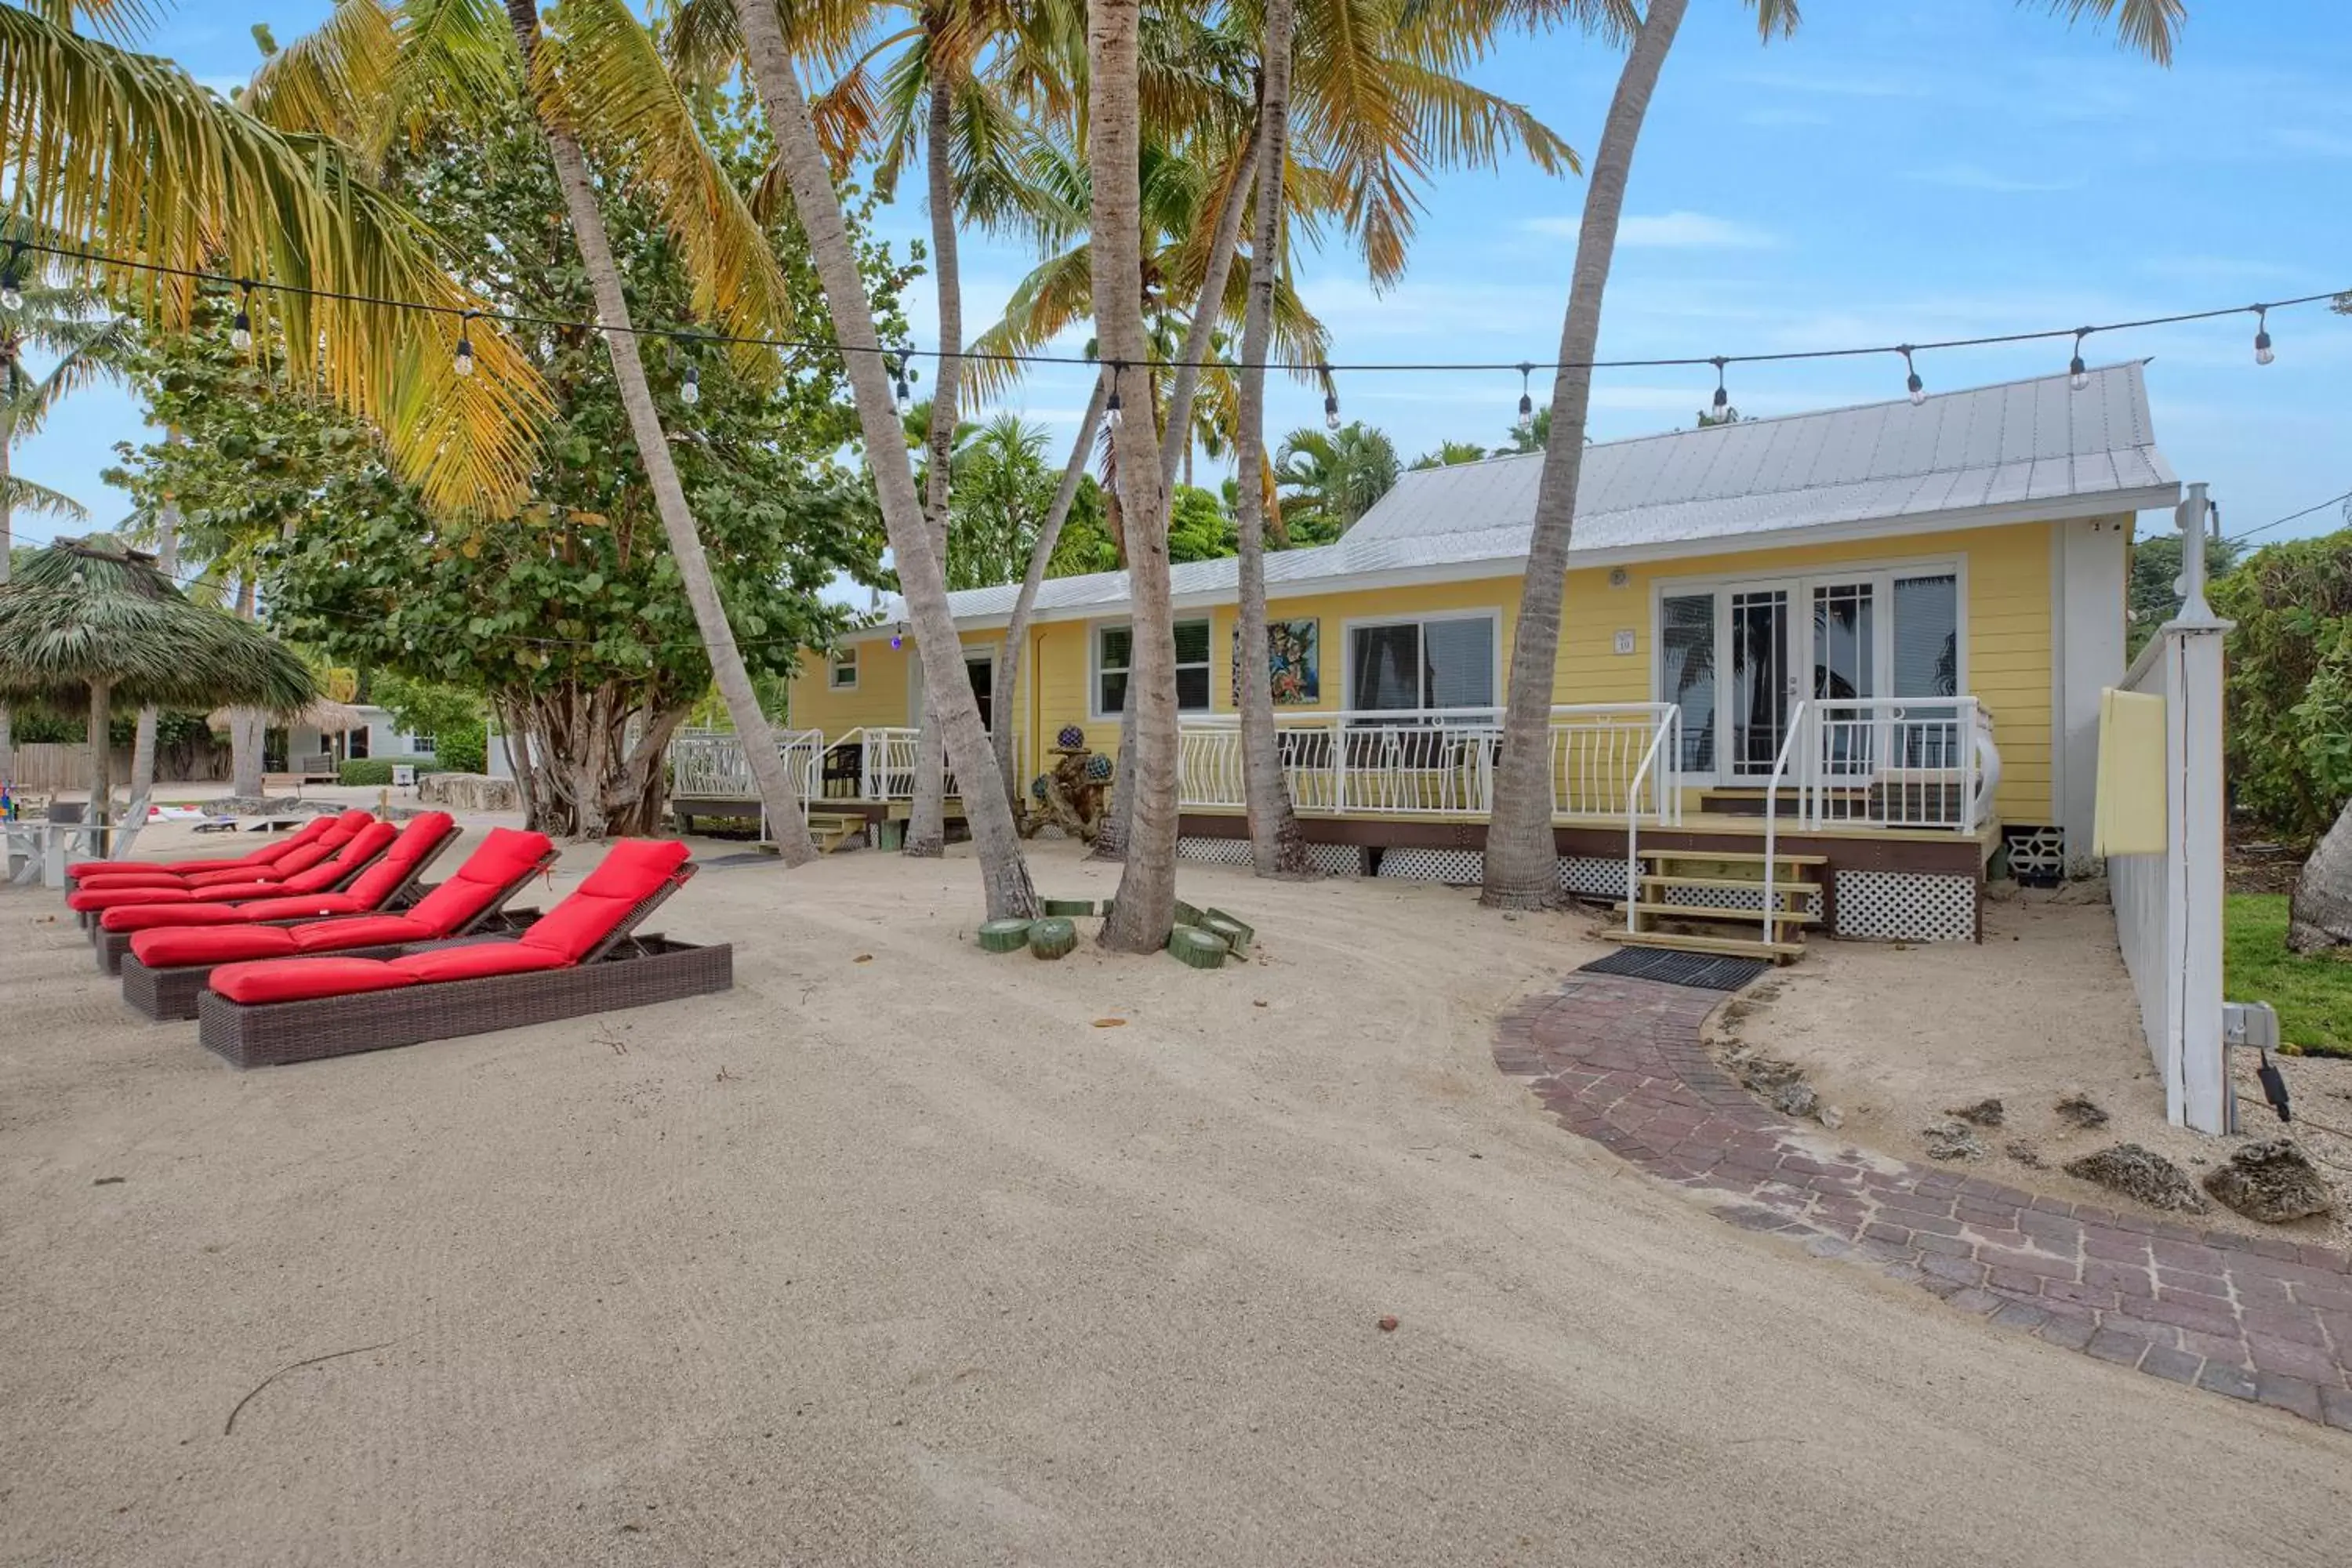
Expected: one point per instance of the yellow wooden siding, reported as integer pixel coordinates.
(2007, 634)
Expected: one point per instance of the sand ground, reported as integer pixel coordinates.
(891, 1255)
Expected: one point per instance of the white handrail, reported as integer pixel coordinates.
(1669, 733)
(1798, 724)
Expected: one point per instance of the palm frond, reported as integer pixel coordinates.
(29, 496)
(334, 80)
(2150, 26)
(127, 154)
(86, 352)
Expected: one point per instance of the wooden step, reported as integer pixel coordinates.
(1711, 912)
(1734, 857)
(1741, 947)
(1675, 879)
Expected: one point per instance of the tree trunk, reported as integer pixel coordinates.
(1522, 861)
(143, 744)
(778, 797)
(1147, 888)
(2320, 913)
(926, 820)
(1016, 630)
(1200, 336)
(8, 549)
(247, 727)
(922, 577)
(101, 753)
(1276, 847)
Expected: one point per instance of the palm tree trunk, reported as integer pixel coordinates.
(922, 577)
(1146, 909)
(142, 745)
(7, 546)
(1522, 858)
(101, 753)
(247, 728)
(1200, 336)
(926, 821)
(1016, 630)
(779, 799)
(1276, 847)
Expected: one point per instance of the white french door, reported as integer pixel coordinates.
(1738, 656)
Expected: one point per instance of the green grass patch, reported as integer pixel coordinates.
(2312, 995)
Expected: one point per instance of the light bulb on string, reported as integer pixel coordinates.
(1110, 405)
(240, 331)
(1911, 382)
(12, 295)
(1330, 398)
(464, 363)
(1527, 401)
(899, 380)
(689, 391)
(898, 637)
(2078, 374)
(2263, 353)
(1722, 396)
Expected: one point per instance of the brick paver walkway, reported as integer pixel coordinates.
(1621, 1062)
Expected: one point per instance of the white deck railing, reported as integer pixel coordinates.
(1922, 762)
(710, 763)
(1604, 759)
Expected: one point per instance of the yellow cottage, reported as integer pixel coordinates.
(1887, 626)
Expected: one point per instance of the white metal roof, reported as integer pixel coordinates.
(2023, 451)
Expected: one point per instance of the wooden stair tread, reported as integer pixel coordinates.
(1714, 912)
(1676, 880)
(1734, 857)
(1744, 947)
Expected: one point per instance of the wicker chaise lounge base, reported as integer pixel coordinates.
(638, 975)
(166, 995)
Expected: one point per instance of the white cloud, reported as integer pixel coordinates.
(1669, 231)
(1975, 177)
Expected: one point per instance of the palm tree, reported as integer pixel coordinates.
(374, 66)
(1332, 477)
(1146, 908)
(68, 326)
(1522, 867)
(801, 158)
(1448, 453)
(1276, 847)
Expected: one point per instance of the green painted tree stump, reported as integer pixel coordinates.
(1053, 938)
(1201, 949)
(1236, 933)
(1003, 936)
(1070, 906)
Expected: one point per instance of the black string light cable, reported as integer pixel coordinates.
(2291, 517)
(896, 358)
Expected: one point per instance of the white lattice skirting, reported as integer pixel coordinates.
(1593, 876)
(1456, 868)
(1907, 906)
(1332, 859)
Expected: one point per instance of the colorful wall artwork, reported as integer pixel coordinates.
(1294, 657)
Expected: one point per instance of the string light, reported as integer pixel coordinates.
(899, 379)
(1722, 396)
(240, 331)
(1911, 382)
(11, 297)
(689, 391)
(1110, 406)
(464, 363)
(1526, 400)
(898, 637)
(1331, 397)
(2262, 351)
(2078, 374)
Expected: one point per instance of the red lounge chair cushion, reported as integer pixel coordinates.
(497, 863)
(153, 916)
(300, 857)
(476, 963)
(134, 879)
(365, 930)
(300, 979)
(180, 948)
(297, 907)
(89, 898)
(418, 838)
(266, 855)
(633, 872)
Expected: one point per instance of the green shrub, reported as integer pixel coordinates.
(2290, 682)
(377, 771)
(463, 748)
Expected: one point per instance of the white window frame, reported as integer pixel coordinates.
(426, 745)
(1492, 615)
(1096, 712)
(1800, 581)
(834, 667)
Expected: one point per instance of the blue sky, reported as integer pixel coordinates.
(1898, 171)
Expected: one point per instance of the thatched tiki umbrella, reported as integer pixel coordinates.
(88, 623)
